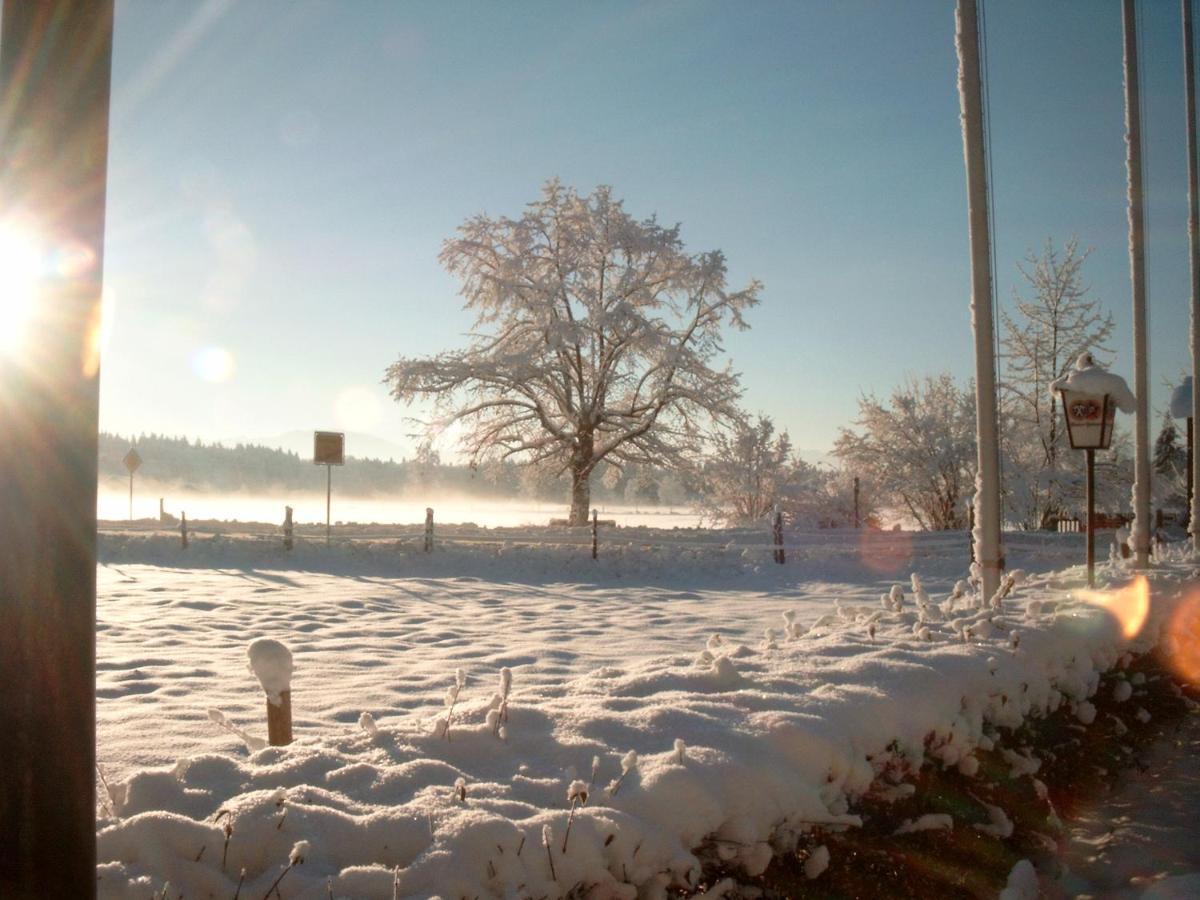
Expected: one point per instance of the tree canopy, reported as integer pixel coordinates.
(596, 340)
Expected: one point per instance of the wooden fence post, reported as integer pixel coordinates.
(288, 529)
(777, 536)
(183, 535)
(595, 531)
(428, 529)
(271, 662)
(279, 720)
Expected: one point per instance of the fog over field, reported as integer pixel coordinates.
(113, 504)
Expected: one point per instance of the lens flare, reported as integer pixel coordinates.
(1129, 606)
(22, 266)
(886, 552)
(1182, 640)
(213, 364)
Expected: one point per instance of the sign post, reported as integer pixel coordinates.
(329, 449)
(133, 461)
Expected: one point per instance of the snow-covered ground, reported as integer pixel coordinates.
(1144, 839)
(660, 647)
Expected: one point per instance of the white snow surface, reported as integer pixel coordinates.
(1022, 883)
(610, 659)
(271, 662)
(1094, 379)
(1140, 841)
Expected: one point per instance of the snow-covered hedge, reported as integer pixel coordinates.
(736, 754)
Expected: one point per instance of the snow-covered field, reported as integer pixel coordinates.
(654, 661)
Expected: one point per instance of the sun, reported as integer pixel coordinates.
(21, 267)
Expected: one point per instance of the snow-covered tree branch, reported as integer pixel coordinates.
(918, 450)
(1049, 330)
(596, 339)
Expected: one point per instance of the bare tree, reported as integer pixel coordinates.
(1050, 329)
(748, 473)
(596, 338)
(918, 451)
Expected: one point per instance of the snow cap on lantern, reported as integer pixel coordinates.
(1091, 396)
(1181, 399)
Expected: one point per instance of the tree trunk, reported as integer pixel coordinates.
(581, 471)
(581, 497)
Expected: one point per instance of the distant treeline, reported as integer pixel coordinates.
(213, 467)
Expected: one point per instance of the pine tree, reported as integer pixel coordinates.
(1169, 456)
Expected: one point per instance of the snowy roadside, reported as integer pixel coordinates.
(740, 744)
(1141, 841)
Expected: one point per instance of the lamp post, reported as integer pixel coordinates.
(1091, 396)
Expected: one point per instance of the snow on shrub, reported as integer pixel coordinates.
(730, 761)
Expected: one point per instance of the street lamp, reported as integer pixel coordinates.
(1091, 396)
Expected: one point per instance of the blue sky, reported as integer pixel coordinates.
(282, 176)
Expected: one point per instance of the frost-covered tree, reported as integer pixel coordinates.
(597, 338)
(749, 472)
(1053, 323)
(918, 450)
(830, 502)
(1170, 466)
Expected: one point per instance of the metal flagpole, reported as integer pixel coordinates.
(987, 494)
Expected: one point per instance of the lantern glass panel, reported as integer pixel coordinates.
(1089, 419)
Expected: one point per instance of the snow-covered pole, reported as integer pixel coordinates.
(1189, 81)
(986, 531)
(271, 663)
(1137, 266)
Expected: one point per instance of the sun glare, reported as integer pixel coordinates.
(1129, 605)
(20, 270)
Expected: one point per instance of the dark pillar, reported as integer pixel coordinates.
(55, 67)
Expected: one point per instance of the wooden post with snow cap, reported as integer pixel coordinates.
(288, 529)
(183, 534)
(271, 663)
(986, 530)
(428, 529)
